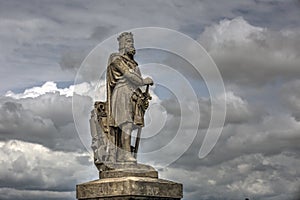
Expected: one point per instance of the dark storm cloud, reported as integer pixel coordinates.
(101, 32)
(38, 36)
(257, 154)
(30, 170)
(290, 96)
(255, 176)
(72, 60)
(39, 145)
(238, 110)
(271, 135)
(46, 120)
(246, 161)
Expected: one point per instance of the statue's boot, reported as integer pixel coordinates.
(124, 156)
(129, 158)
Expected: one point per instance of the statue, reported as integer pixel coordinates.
(113, 121)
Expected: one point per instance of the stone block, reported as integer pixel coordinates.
(135, 188)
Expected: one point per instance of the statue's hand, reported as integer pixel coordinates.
(148, 81)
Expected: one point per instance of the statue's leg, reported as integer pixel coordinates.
(126, 136)
(126, 143)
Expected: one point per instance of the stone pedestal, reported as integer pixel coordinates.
(136, 182)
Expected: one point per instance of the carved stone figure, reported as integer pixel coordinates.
(113, 121)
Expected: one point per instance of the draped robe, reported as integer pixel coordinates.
(120, 88)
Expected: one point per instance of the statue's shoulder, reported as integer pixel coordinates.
(114, 57)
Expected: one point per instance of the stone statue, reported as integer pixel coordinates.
(124, 109)
(112, 123)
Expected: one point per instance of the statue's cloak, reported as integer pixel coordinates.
(121, 107)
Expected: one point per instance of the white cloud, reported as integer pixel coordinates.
(95, 90)
(238, 110)
(48, 87)
(252, 55)
(46, 119)
(257, 154)
(226, 31)
(37, 40)
(39, 170)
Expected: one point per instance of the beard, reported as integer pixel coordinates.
(130, 51)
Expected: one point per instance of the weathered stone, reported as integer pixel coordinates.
(112, 123)
(129, 188)
(125, 170)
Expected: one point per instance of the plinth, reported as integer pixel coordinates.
(129, 182)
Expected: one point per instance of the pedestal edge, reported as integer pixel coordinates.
(130, 187)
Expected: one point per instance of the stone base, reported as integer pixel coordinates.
(127, 169)
(126, 188)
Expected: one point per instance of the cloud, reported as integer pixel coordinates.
(255, 176)
(271, 136)
(38, 42)
(254, 43)
(10, 193)
(48, 87)
(238, 110)
(32, 171)
(290, 96)
(179, 123)
(39, 126)
(247, 54)
(257, 152)
(27, 45)
(41, 115)
(72, 60)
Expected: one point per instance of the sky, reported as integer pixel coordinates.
(255, 45)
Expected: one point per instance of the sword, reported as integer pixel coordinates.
(139, 132)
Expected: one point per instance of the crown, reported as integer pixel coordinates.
(125, 35)
(123, 42)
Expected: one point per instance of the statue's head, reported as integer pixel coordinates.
(126, 43)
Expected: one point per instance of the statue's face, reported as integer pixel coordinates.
(129, 48)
